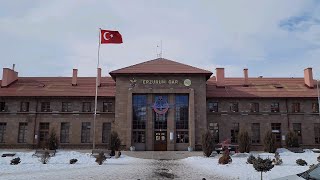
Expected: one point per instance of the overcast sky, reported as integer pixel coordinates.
(277, 38)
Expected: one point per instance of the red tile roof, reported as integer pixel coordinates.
(260, 87)
(58, 86)
(160, 66)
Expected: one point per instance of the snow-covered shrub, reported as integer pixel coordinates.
(301, 162)
(244, 141)
(100, 158)
(277, 160)
(45, 157)
(262, 165)
(115, 143)
(269, 142)
(292, 139)
(207, 143)
(73, 161)
(251, 159)
(53, 140)
(15, 161)
(225, 158)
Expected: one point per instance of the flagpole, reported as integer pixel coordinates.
(96, 97)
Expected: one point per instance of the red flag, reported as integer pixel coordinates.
(112, 37)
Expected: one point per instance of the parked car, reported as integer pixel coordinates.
(311, 174)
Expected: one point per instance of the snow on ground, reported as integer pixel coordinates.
(238, 169)
(126, 167)
(59, 168)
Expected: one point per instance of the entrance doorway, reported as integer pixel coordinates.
(160, 140)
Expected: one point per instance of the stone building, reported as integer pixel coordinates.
(156, 105)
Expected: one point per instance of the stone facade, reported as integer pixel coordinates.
(34, 117)
(138, 85)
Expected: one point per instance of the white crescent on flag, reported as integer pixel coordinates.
(105, 35)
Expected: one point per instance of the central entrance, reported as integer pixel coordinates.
(160, 141)
(160, 116)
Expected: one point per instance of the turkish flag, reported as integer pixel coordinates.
(112, 37)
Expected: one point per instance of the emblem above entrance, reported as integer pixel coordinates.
(187, 82)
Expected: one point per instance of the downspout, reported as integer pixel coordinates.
(288, 120)
(35, 123)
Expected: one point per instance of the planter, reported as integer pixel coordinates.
(190, 148)
(132, 148)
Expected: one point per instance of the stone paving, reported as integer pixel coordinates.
(162, 155)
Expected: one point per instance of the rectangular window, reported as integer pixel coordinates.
(275, 107)
(138, 137)
(66, 107)
(85, 132)
(315, 107)
(297, 130)
(295, 107)
(182, 111)
(255, 128)
(106, 132)
(160, 115)
(3, 107)
(45, 107)
(108, 107)
(254, 107)
(213, 106)
(44, 132)
(22, 133)
(214, 129)
(24, 107)
(2, 131)
(86, 107)
(182, 137)
(139, 111)
(64, 132)
(276, 130)
(234, 132)
(234, 107)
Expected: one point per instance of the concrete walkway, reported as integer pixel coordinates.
(162, 155)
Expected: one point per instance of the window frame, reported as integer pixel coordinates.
(45, 106)
(234, 107)
(275, 107)
(213, 106)
(86, 107)
(65, 132)
(22, 131)
(86, 132)
(295, 107)
(66, 107)
(107, 106)
(254, 107)
(25, 104)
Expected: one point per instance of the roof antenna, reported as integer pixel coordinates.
(159, 55)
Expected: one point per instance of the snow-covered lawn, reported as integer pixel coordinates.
(238, 169)
(59, 168)
(126, 167)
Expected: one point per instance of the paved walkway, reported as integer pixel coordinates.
(162, 155)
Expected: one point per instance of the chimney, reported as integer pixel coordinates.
(99, 77)
(220, 77)
(8, 77)
(246, 80)
(74, 77)
(308, 77)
